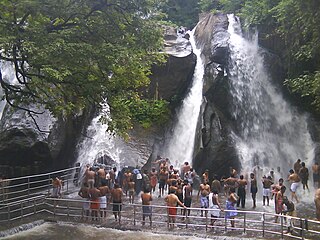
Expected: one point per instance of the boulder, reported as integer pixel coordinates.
(171, 80)
(214, 149)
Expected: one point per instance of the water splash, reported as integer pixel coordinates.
(98, 142)
(270, 133)
(181, 144)
(8, 75)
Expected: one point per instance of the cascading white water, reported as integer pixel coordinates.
(8, 75)
(181, 143)
(98, 142)
(270, 132)
(21, 118)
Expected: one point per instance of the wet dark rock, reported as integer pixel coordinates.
(21, 151)
(25, 150)
(214, 148)
(171, 80)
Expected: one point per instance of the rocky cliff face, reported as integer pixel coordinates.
(214, 149)
(29, 149)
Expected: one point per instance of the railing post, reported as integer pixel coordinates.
(34, 206)
(168, 223)
(28, 186)
(2, 193)
(225, 224)
(263, 224)
(301, 228)
(281, 221)
(134, 215)
(49, 184)
(206, 213)
(186, 217)
(306, 225)
(21, 209)
(9, 213)
(54, 209)
(68, 211)
(67, 185)
(244, 223)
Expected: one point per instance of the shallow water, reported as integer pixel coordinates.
(83, 232)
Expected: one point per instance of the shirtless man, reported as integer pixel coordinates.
(146, 208)
(304, 176)
(131, 189)
(279, 201)
(275, 190)
(204, 189)
(173, 186)
(101, 175)
(317, 203)
(253, 189)
(242, 183)
(184, 169)
(84, 193)
(172, 200)
(126, 180)
(116, 197)
(95, 195)
(163, 177)
(104, 190)
(153, 175)
(113, 176)
(294, 179)
(230, 182)
(187, 196)
(205, 176)
(266, 182)
(297, 166)
(316, 174)
(233, 172)
(89, 176)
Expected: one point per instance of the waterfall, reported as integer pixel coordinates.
(20, 118)
(270, 133)
(98, 143)
(181, 143)
(8, 75)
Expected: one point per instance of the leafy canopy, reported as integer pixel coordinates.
(69, 54)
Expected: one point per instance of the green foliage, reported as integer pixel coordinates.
(307, 85)
(258, 12)
(182, 12)
(71, 54)
(208, 5)
(231, 6)
(143, 111)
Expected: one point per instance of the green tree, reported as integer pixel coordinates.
(182, 12)
(298, 24)
(209, 5)
(69, 54)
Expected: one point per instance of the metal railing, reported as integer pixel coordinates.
(249, 223)
(20, 188)
(28, 196)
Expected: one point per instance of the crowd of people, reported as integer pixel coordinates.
(101, 187)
